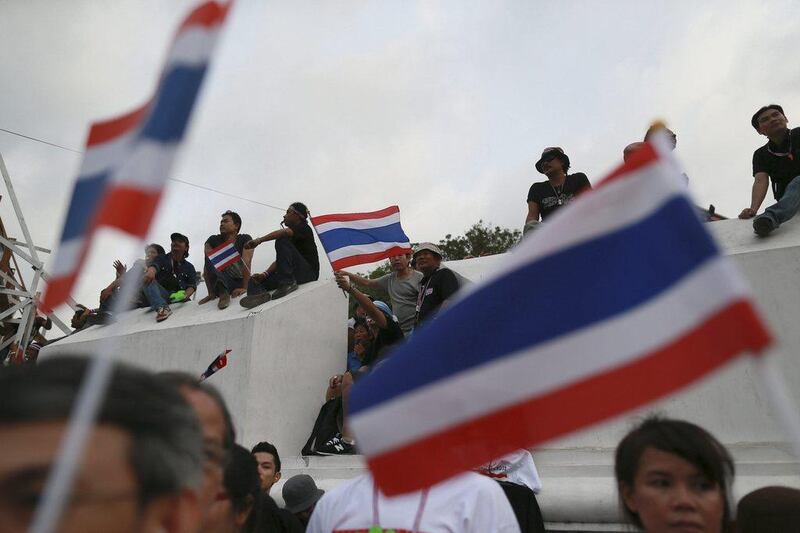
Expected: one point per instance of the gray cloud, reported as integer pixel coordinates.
(441, 108)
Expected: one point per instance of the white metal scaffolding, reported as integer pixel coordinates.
(18, 301)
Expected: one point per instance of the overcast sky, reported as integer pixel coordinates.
(439, 107)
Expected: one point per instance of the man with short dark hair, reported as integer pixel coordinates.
(779, 161)
(269, 464)
(438, 283)
(402, 286)
(142, 463)
(547, 197)
(170, 278)
(233, 279)
(296, 259)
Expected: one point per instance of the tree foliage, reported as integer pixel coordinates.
(480, 239)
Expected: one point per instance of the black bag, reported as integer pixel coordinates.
(327, 426)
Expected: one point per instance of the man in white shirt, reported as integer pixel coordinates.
(468, 503)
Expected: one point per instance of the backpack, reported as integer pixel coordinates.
(327, 426)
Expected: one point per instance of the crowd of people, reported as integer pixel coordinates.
(164, 457)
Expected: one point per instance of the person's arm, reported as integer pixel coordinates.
(533, 212)
(119, 268)
(759, 192)
(583, 183)
(149, 276)
(363, 300)
(360, 280)
(247, 258)
(277, 234)
(449, 286)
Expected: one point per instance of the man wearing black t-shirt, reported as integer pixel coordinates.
(546, 197)
(296, 259)
(779, 161)
(233, 279)
(438, 283)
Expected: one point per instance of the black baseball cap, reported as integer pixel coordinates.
(180, 237)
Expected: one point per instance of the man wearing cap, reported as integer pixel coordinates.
(296, 259)
(170, 278)
(402, 286)
(233, 279)
(779, 161)
(300, 494)
(546, 197)
(437, 285)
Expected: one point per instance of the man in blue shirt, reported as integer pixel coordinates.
(170, 278)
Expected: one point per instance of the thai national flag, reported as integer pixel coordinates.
(128, 159)
(224, 255)
(219, 362)
(357, 238)
(623, 297)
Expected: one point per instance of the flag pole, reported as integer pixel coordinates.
(784, 406)
(82, 419)
(326, 253)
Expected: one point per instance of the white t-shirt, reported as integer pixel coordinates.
(469, 503)
(516, 467)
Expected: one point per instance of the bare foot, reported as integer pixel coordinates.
(207, 299)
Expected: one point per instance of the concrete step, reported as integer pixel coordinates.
(579, 491)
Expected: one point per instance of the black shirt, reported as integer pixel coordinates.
(303, 240)
(174, 275)
(547, 196)
(386, 338)
(781, 168)
(433, 290)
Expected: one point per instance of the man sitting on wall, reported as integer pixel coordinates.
(232, 280)
(296, 259)
(170, 278)
(779, 161)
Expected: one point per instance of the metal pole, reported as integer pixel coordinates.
(326, 252)
(18, 211)
(29, 313)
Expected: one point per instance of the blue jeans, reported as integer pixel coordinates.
(787, 206)
(156, 295)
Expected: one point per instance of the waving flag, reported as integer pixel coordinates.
(224, 255)
(219, 362)
(619, 300)
(357, 238)
(129, 158)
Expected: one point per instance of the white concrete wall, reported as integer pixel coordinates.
(283, 354)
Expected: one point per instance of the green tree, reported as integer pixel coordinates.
(480, 239)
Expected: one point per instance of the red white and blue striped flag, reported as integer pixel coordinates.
(224, 255)
(358, 238)
(219, 362)
(622, 298)
(128, 159)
